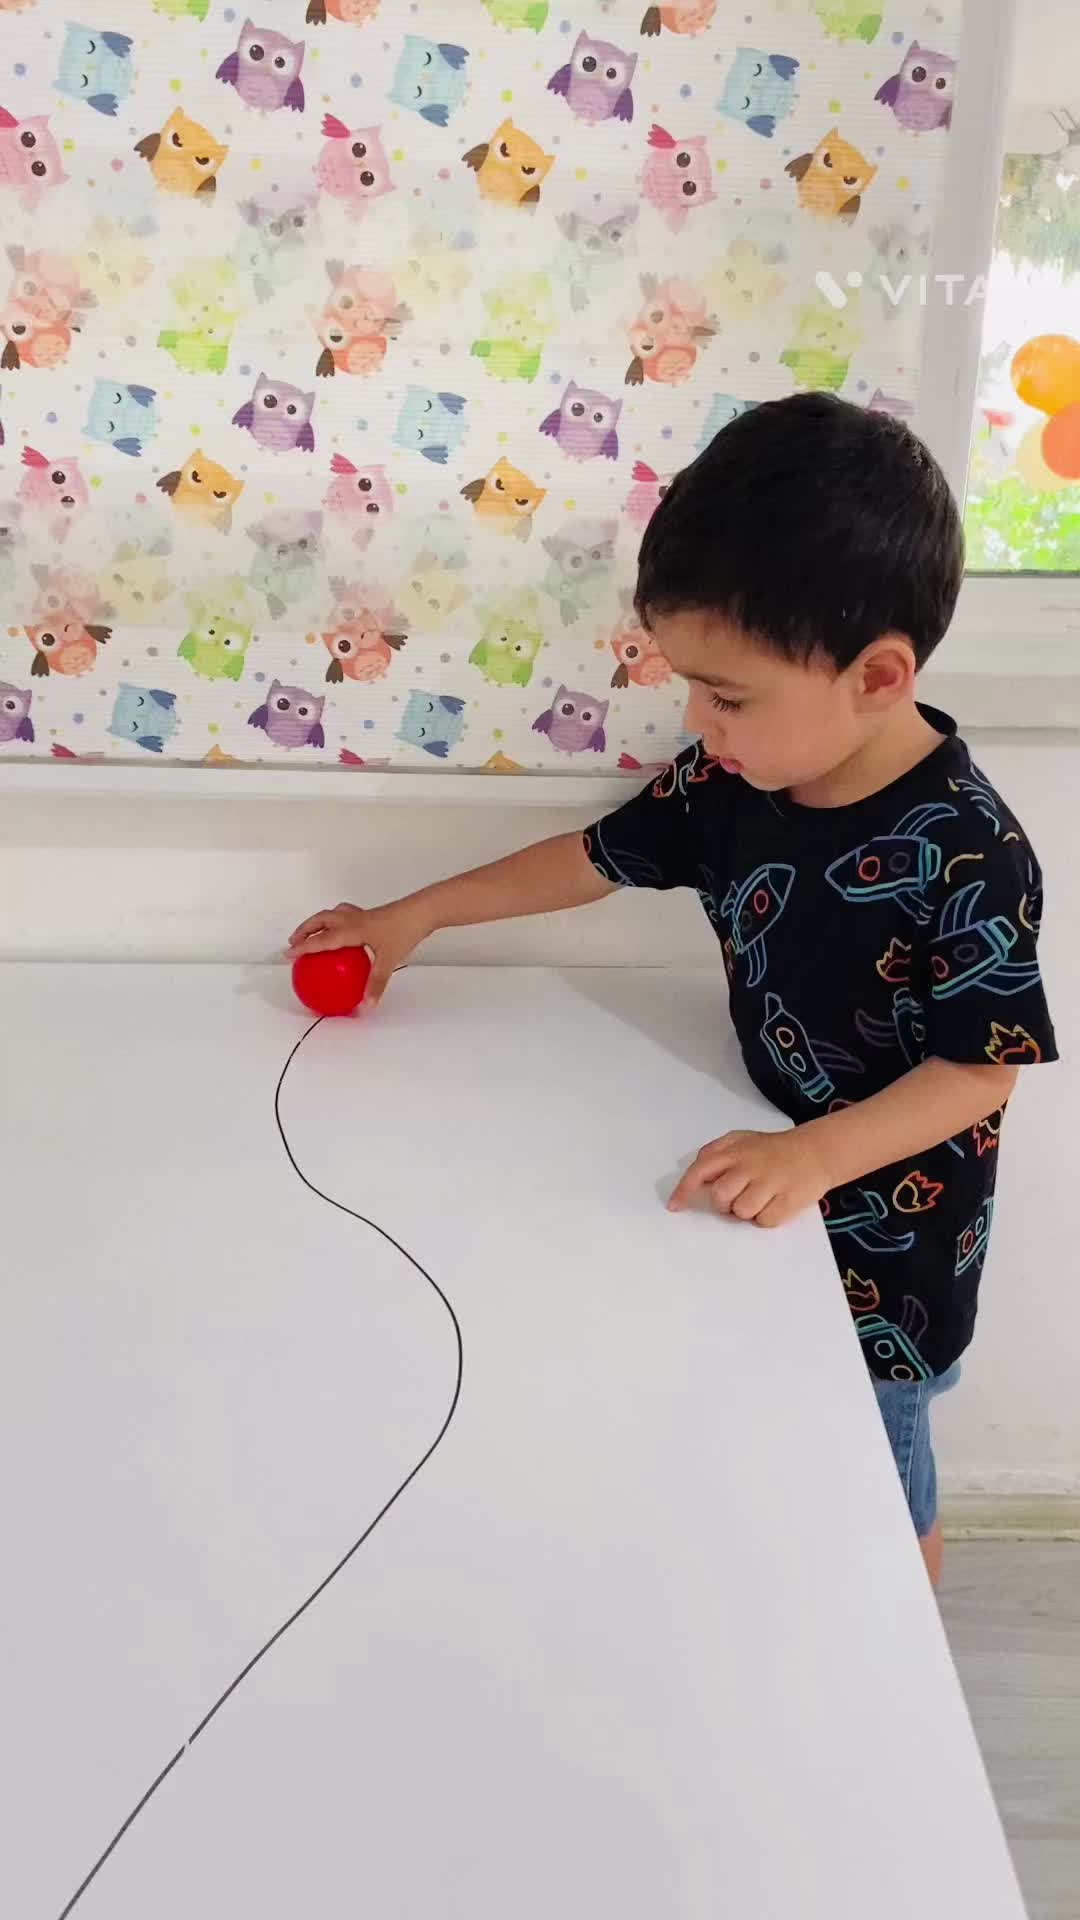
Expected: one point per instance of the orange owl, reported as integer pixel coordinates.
(65, 644)
(641, 663)
(510, 168)
(203, 490)
(183, 157)
(505, 499)
(832, 179)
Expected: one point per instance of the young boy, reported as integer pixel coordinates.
(876, 903)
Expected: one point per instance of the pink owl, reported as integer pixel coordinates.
(278, 416)
(353, 165)
(595, 82)
(645, 495)
(363, 633)
(574, 722)
(584, 424)
(665, 337)
(360, 496)
(921, 94)
(265, 69)
(677, 176)
(29, 157)
(640, 662)
(55, 487)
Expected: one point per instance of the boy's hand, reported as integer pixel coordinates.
(764, 1177)
(390, 935)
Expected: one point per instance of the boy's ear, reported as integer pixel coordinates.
(887, 670)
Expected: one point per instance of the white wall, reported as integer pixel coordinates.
(116, 878)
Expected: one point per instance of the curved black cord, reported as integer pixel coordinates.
(368, 1530)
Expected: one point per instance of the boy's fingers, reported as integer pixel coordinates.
(752, 1201)
(726, 1191)
(701, 1172)
(307, 927)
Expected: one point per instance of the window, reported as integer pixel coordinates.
(1010, 343)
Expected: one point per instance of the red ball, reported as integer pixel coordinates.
(331, 983)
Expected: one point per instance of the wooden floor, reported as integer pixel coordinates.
(1012, 1610)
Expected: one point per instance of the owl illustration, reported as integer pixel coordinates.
(53, 487)
(359, 497)
(665, 337)
(215, 645)
(291, 717)
(95, 67)
(429, 423)
(677, 176)
(522, 315)
(745, 281)
(183, 157)
(584, 424)
(286, 559)
(921, 94)
(278, 416)
(434, 722)
(434, 589)
(121, 416)
(510, 640)
(113, 262)
(283, 226)
(430, 79)
(678, 16)
(582, 556)
(137, 579)
(645, 494)
(510, 168)
(595, 82)
(574, 722)
(363, 633)
(505, 500)
(353, 13)
(182, 9)
(848, 19)
(30, 342)
(265, 69)
(518, 15)
(65, 643)
(639, 661)
(596, 252)
(203, 490)
(61, 588)
(353, 166)
(49, 285)
(760, 90)
(29, 157)
(832, 179)
(724, 408)
(201, 348)
(821, 348)
(435, 270)
(145, 716)
(15, 721)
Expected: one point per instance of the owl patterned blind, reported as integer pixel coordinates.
(346, 354)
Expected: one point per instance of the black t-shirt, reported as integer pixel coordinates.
(859, 941)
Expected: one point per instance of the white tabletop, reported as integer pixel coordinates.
(648, 1638)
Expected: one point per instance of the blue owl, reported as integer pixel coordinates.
(432, 721)
(430, 423)
(121, 416)
(95, 67)
(430, 79)
(724, 409)
(144, 715)
(760, 90)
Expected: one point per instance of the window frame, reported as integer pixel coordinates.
(1012, 655)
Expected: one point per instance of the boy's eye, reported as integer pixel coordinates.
(725, 706)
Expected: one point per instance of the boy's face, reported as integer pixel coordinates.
(775, 722)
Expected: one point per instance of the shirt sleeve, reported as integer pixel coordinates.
(978, 965)
(655, 840)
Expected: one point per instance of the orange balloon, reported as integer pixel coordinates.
(1032, 467)
(1061, 442)
(1046, 372)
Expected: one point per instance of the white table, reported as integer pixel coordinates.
(647, 1639)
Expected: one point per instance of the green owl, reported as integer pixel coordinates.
(518, 13)
(197, 349)
(183, 9)
(215, 647)
(825, 339)
(509, 643)
(847, 20)
(522, 315)
(507, 359)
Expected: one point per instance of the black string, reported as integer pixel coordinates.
(368, 1530)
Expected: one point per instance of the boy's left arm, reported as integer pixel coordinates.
(975, 976)
(770, 1177)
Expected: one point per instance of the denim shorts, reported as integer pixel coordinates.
(905, 1409)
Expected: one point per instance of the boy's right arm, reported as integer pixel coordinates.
(544, 878)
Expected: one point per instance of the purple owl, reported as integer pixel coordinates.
(595, 82)
(921, 94)
(292, 717)
(15, 721)
(584, 424)
(574, 722)
(278, 416)
(265, 69)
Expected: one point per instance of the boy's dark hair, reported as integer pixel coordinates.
(815, 526)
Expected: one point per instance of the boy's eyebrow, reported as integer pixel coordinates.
(720, 683)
